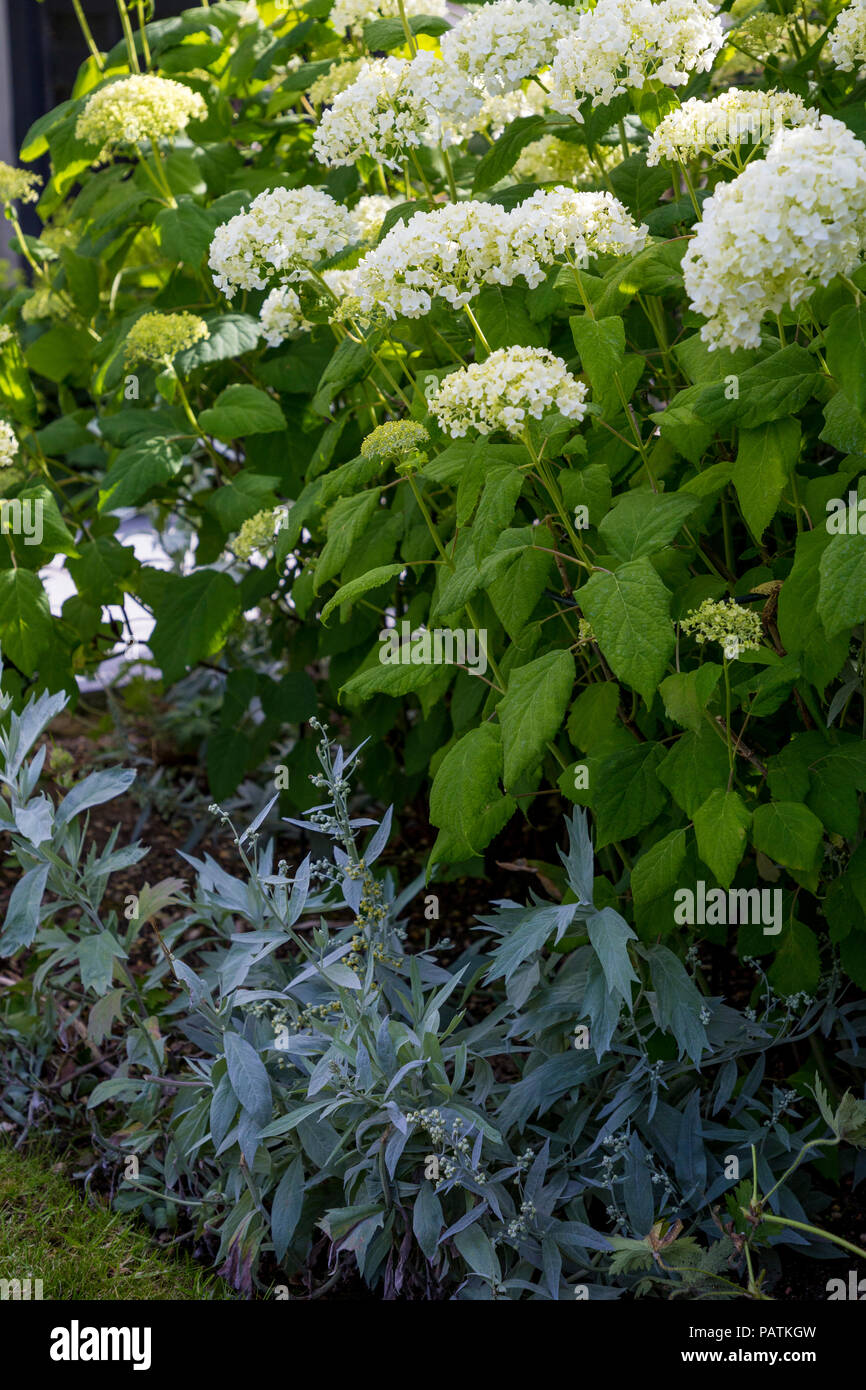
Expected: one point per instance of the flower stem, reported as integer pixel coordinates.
(88, 36)
(131, 52)
(815, 1231)
(475, 324)
(407, 30)
(690, 188)
(726, 666)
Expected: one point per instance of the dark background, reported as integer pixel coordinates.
(46, 47)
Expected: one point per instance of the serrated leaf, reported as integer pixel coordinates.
(533, 711)
(347, 522)
(373, 579)
(765, 461)
(686, 694)
(642, 523)
(845, 338)
(720, 826)
(242, 410)
(657, 870)
(630, 613)
(466, 799)
(788, 833)
(193, 617)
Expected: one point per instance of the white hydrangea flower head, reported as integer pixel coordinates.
(716, 127)
(282, 233)
(369, 213)
(621, 43)
(453, 251)
(138, 108)
(503, 392)
(847, 40)
(557, 223)
(500, 43)
(354, 14)
(8, 445)
(394, 105)
(794, 219)
(449, 253)
(281, 316)
(551, 160)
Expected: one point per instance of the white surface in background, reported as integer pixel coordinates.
(132, 654)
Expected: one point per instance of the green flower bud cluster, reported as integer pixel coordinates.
(724, 621)
(17, 185)
(160, 337)
(395, 441)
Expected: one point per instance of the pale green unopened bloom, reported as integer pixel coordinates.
(396, 439)
(335, 80)
(725, 621)
(257, 533)
(138, 108)
(160, 337)
(8, 445)
(18, 185)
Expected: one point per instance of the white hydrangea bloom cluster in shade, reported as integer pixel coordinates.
(499, 111)
(551, 160)
(284, 231)
(394, 105)
(847, 40)
(734, 118)
(138, 108)
(621, 43)
(369, 213)
(503, 391)
(560, 222)
(452, 252)
(797, 217)
(354, 14)
(282, 315)
(500, 43)
(8, 445)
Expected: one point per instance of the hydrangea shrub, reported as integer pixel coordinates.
(526, 321)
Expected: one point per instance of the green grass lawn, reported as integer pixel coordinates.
(48, 1232)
